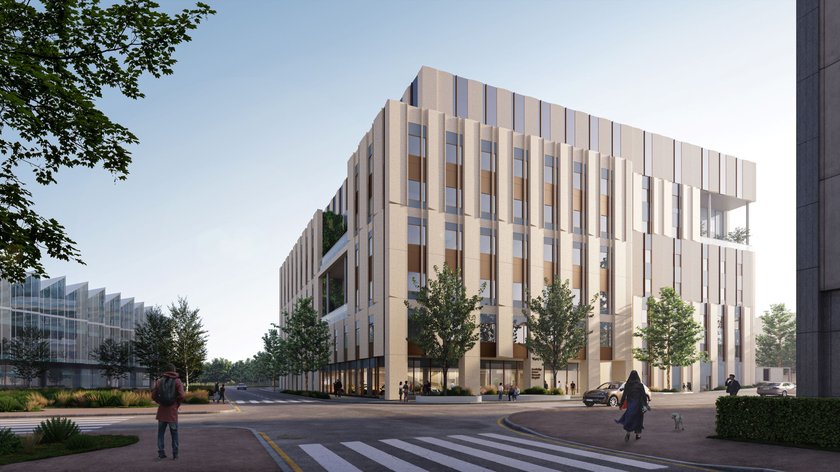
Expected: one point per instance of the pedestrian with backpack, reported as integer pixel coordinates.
(168, 393)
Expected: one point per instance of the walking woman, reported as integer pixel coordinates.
(635, 407)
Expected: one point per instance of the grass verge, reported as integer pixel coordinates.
(45, 451)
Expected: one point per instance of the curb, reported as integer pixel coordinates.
(128, 412)
(719, 467)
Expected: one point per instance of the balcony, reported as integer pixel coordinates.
(724, 221)
(334, 252)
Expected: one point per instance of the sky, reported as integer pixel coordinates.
(252, 133)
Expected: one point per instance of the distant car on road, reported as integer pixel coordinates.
(241, 386)
(776, 389)
(608, 393)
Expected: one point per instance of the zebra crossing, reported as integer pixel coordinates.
(86, 424)
(484, 452)
(257, 402)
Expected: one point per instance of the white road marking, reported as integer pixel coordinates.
(433, 456)
(328, 459)
(489, 456)
(383, 458)
(536, 454)
(577, 452)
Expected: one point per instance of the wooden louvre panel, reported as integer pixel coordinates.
(452, 258)
(518, 188)
(517, 269)
(520, 351)
(414, 168)
(576, 277)
(605, 280)
(452, 175)
(577, 204)
(581, 355)
(415, 350)
(486, 266)
(486, 181)
(605, 205)
(488, 349)
(606, 353)
(414, 259)
(548, 271)
(548, 192)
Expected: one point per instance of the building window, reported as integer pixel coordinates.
(416, 194)
(648, 263)
(721, 332)
(678, 266)
(604, 302)
(487, 328)
(577, 175)
(371, 331)
(577, 253)
(517, 295)
(453, 148)
(605, 257)
(518, 245)
(705, 268)
(675, 209)
(548, 250)
(452, 239)
(519, 211)
(605, 226)
(461, 96)
(519, 162)
(488, 206)
(548, 169)
(416, 281)
(548, 216)
(605, 182)
(646, 203)
(606, 334)
(576, 223)
(593, 133)
(416, 140)
(487, 244)
(453, 200)
(488, 162)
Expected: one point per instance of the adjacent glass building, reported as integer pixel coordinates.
(75, 319)
(513, 191)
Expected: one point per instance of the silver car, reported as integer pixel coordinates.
(777, 389)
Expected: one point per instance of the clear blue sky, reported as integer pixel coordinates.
(252, 133)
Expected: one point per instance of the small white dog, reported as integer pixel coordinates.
(678, 422)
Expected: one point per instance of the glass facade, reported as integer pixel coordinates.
(75, 320)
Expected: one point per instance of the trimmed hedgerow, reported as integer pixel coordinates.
(782, 420)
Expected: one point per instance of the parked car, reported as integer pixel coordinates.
(241, 386)
(608, 393)
(781, 389)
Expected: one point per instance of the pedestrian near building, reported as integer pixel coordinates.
(405, 391)
(400, 390)
(732, 385)
(501, 390)
(222, 393)
(573, 388)
(634, 402)
(168, 393)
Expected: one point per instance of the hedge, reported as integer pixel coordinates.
(795, 421)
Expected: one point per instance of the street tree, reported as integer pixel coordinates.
(556, 325)
(29, 353)
(308, 342)
(190, 340)
(114, 359)
(260, 366)
(57, 59)
(671, 335)
(776, 345)
(445, 319)
(217, 370)
(275, 347)
(154, 345)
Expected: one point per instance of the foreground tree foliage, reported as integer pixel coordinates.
(671, 335)
(29, 353)
(154, 344)
(56, 60)
(190, 340)
(114, 359)
(307, 341)
(556, 326)
(776, 345)
(445, 319)
(217, 370)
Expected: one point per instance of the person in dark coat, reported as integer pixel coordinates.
(167, 415)
(732, 385)
(637, 400)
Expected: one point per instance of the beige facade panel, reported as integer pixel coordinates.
(692, 159)
(749, 181)
(637, 268)
(731, 264)
(593, 161)
(633, 147)
(663, 263)
(731, 176)
(558, 123)
(504, 173)
(749, 279)
(565, 188)
(504, 109)
(604, 136)
(714, 273)
(692, 270)
(581, 130)
(435, 160)
(505, 281)
(663, 157)
(714, 172)
(471, 168)
(532, 117)
(638, 225)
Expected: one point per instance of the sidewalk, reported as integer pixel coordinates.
(70, 412)
(595, 427)
(202, 449)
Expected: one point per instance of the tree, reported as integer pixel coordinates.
(275, 349)
(445, 319)
(260, 366)
(308, 343)
(153, 343)
(559, 332)
(217, 370)
(739, 235)
(29, 353)
(190, 337)
(776, 346)
(114, 359)
(671, 335)
(57, 58)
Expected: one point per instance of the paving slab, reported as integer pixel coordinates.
(596, 427)
(202, 449)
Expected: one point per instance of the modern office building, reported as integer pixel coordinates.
(513, 190)
(817, 198)
(75, 320)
